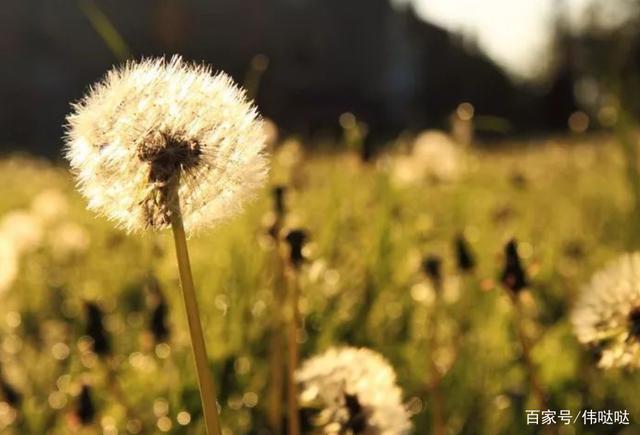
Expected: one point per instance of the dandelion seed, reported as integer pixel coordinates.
(158, 136)
(352, 390)
(607, 314)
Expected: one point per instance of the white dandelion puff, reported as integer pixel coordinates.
(158, 136)
(607, 314)
(354, 391)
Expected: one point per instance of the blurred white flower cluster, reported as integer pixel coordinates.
(354, 391)
(44, 223)
(434, 156)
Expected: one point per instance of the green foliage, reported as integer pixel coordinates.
(567, 204)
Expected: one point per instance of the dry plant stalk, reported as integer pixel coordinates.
(276, 361)
(293, 315)
(432, 268)
(532, 374)
(514, 279)
(295, 240)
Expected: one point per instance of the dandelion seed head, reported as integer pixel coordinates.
(158, 134)
(354, 389)
(607, 314)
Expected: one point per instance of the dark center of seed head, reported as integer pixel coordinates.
(168, 154)
(357, 423)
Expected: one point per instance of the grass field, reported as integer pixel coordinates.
(565, 200)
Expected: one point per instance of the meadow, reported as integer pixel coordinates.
(566, 200)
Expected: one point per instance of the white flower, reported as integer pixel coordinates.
(355, 392)
(157, 131)
(607, 313)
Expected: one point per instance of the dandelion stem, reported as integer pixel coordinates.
(205, 381)
(293, 321)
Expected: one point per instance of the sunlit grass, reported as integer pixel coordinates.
(566, 201)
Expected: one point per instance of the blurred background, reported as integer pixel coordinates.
(403, 65)
(465, 124)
